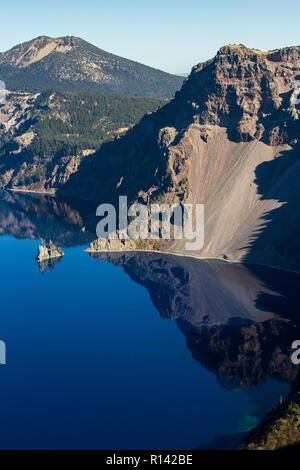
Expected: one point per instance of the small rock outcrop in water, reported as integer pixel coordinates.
(48, 251)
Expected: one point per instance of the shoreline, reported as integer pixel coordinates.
(49, 193)
(196, 258)
(55, 194)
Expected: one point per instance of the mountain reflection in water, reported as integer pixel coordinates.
(66, 221)
(239, 321)
(102, 370)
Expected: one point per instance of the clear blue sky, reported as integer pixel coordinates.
(171, 35)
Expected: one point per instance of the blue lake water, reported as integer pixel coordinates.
(126, 352)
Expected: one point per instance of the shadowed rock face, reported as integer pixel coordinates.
(239, 322)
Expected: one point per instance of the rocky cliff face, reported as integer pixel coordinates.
(248, 92)
(229, 140)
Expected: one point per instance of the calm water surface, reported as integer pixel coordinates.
(139, 351)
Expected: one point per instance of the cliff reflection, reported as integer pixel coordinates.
(48, 264)
(239, 321)
(66, 221)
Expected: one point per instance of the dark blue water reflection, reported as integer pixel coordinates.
(133, 350)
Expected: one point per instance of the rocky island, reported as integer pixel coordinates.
(48, 251)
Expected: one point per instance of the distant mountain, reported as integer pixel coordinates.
(72, 64)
